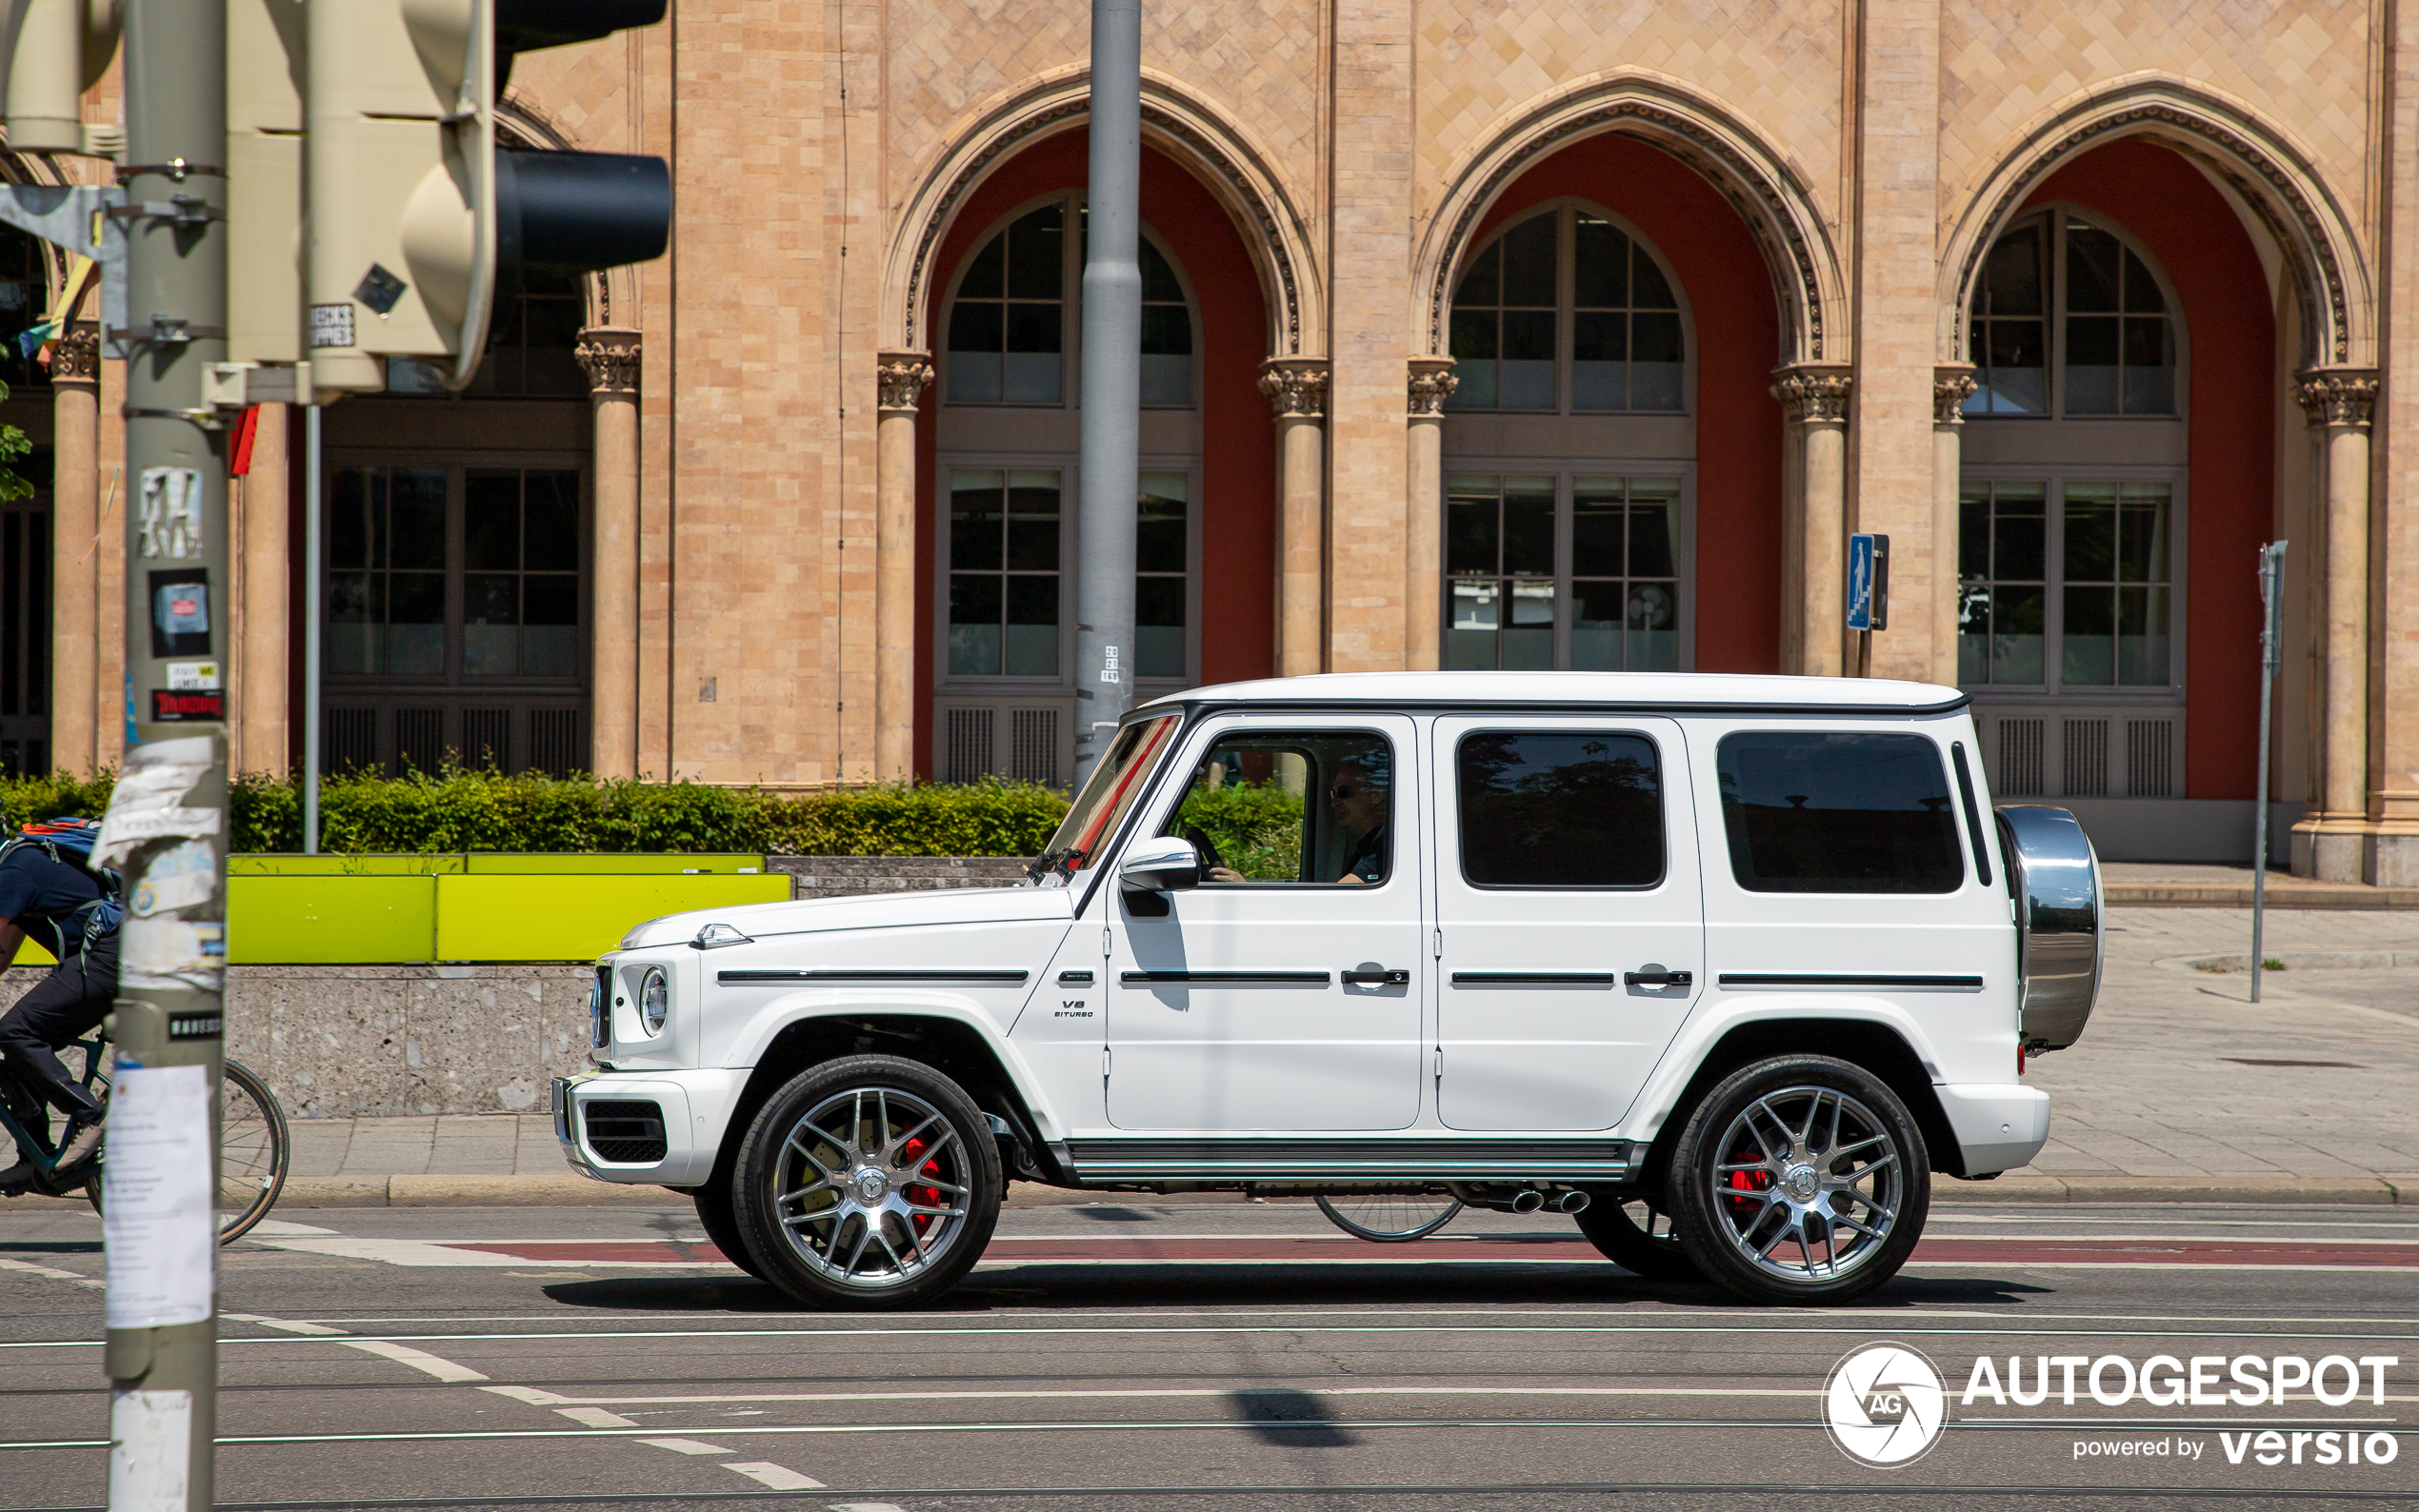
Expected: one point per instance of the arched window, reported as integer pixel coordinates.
(2071, 514)
(1565, 312)
(1017, 305)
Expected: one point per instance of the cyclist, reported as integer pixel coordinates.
(48, 892)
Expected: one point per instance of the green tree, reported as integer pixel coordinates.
(13, 445)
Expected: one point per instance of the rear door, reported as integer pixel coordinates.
(1570, 915)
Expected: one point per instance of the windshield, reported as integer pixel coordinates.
(1113, 788)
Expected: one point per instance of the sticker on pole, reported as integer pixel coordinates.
(150, 1440)
(158, 1224)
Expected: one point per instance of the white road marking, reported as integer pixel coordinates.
(781, 1477)
(417, 1360)
(597, 1418)
(424, 1253)
(280, 1228)
(534, 1396)
(686, 1446)
(55, 1275)
(867, 1507)
(288, 1325)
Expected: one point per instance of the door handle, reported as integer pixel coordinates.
(1369, 974)
(1652, 975)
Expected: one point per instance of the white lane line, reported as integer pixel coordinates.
(867, 1507)
(597, 1418)
(280, 1228)
(33, 1269)
(416, 1359)
(779, 1476)
(287, 1325)
(534, 1396)
(421, 1254)
(1114, 1394)
(687, 1446)
(1574, 1313)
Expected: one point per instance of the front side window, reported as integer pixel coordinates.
(2065, 584)
(1559, 809)
(2059, 296)
(1809, 811)
(1305, 807)
(1565, 312)
(1562, 570)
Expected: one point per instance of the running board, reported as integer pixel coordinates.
(1251, 1160)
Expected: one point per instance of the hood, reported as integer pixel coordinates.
(880, 910)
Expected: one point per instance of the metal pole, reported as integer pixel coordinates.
(313, 601)
(166, 825)
(2272, 598)
(1111, 472)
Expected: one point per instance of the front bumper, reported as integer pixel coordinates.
(693, 1108)
(1999, 1125)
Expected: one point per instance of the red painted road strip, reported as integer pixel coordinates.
(1142, 1251)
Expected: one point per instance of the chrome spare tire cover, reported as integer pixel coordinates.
(2055, 876)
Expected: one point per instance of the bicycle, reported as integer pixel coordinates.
(254, 1145)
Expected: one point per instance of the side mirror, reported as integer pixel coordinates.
(1161, 866)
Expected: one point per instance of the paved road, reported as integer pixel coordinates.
(1163, 1357)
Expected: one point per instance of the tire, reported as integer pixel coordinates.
(832, 1223)
(1391, 1218)
(1636, 1236)
(722, 1227)
(254, 1150)
(1800, 1180)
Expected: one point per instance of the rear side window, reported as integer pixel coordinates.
(1825, 812)
(1572, 809)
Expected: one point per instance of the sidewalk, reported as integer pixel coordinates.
(2181, 1091)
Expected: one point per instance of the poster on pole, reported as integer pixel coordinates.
(159, 1231)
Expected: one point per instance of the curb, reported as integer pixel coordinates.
(2228, 895)
(2364, 1191)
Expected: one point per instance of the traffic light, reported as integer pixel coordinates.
(418, 223)
(56, 50)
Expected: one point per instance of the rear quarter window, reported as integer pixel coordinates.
(1826, 811)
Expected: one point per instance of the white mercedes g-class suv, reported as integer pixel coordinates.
(1726, 967)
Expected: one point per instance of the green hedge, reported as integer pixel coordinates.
(465, 810)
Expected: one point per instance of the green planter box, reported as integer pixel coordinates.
(508, 915)
(330, 921)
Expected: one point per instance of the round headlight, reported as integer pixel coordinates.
(655, 1000)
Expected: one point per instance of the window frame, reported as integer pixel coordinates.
(1404, 794)
(1661, 796)
(2054, 480)
(1072, 203)
(1969, 863)
(2055, 218)
(1566, 208)
(1565, 470)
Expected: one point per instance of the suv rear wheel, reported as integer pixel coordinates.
(1800, 1180)
(869, 1182)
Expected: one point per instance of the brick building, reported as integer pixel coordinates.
(1477, 335)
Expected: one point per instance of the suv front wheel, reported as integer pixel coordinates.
(869, 1182)
(1800, 1180)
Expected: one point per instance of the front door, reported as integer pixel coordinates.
(1570, 912)
(1284, 992)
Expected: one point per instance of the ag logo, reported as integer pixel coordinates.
(1884, 1405)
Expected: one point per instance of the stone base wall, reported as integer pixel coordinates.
(849, 876)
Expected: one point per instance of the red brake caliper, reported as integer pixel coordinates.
(923, 1196)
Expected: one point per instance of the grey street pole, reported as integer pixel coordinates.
(1109, 470)
(2272, 598)
(315, 600)
(166, 825)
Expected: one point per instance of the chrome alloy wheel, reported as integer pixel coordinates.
(872, 1188)
(1808, 1184)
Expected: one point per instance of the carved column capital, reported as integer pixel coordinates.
(1952, 383)
(1296, 387)
(608, 354)
(2337, 396)
(77, 357)
(1432, 384)
(1815, 392)
(902, 376)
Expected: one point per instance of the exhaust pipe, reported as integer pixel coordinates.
(1573, 1201)
(1529, 1202)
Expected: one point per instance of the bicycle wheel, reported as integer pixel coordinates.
(253, 1152)
(1391, 1218)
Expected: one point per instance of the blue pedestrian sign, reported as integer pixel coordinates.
(1869, 583)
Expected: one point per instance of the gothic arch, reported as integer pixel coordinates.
(2278, 181)
(1768, 192)
(1235, 169)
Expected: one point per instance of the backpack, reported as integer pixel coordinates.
(70, 843)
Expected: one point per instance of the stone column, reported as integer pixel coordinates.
(609, 355)
(75, 506)
(1952, 383)
(2332, 842)
(1432, 384)
(260, 741)
(1296, 388)
(902, 377)
(1814, 401)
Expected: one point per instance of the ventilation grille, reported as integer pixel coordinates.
(349, 743)
(487, 738)
(970, 745)
(2020, 758)
(419, 739)
(1034, 746)
(554, 742)
(2150, 758)
(625, 1133)
(2084, 771)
